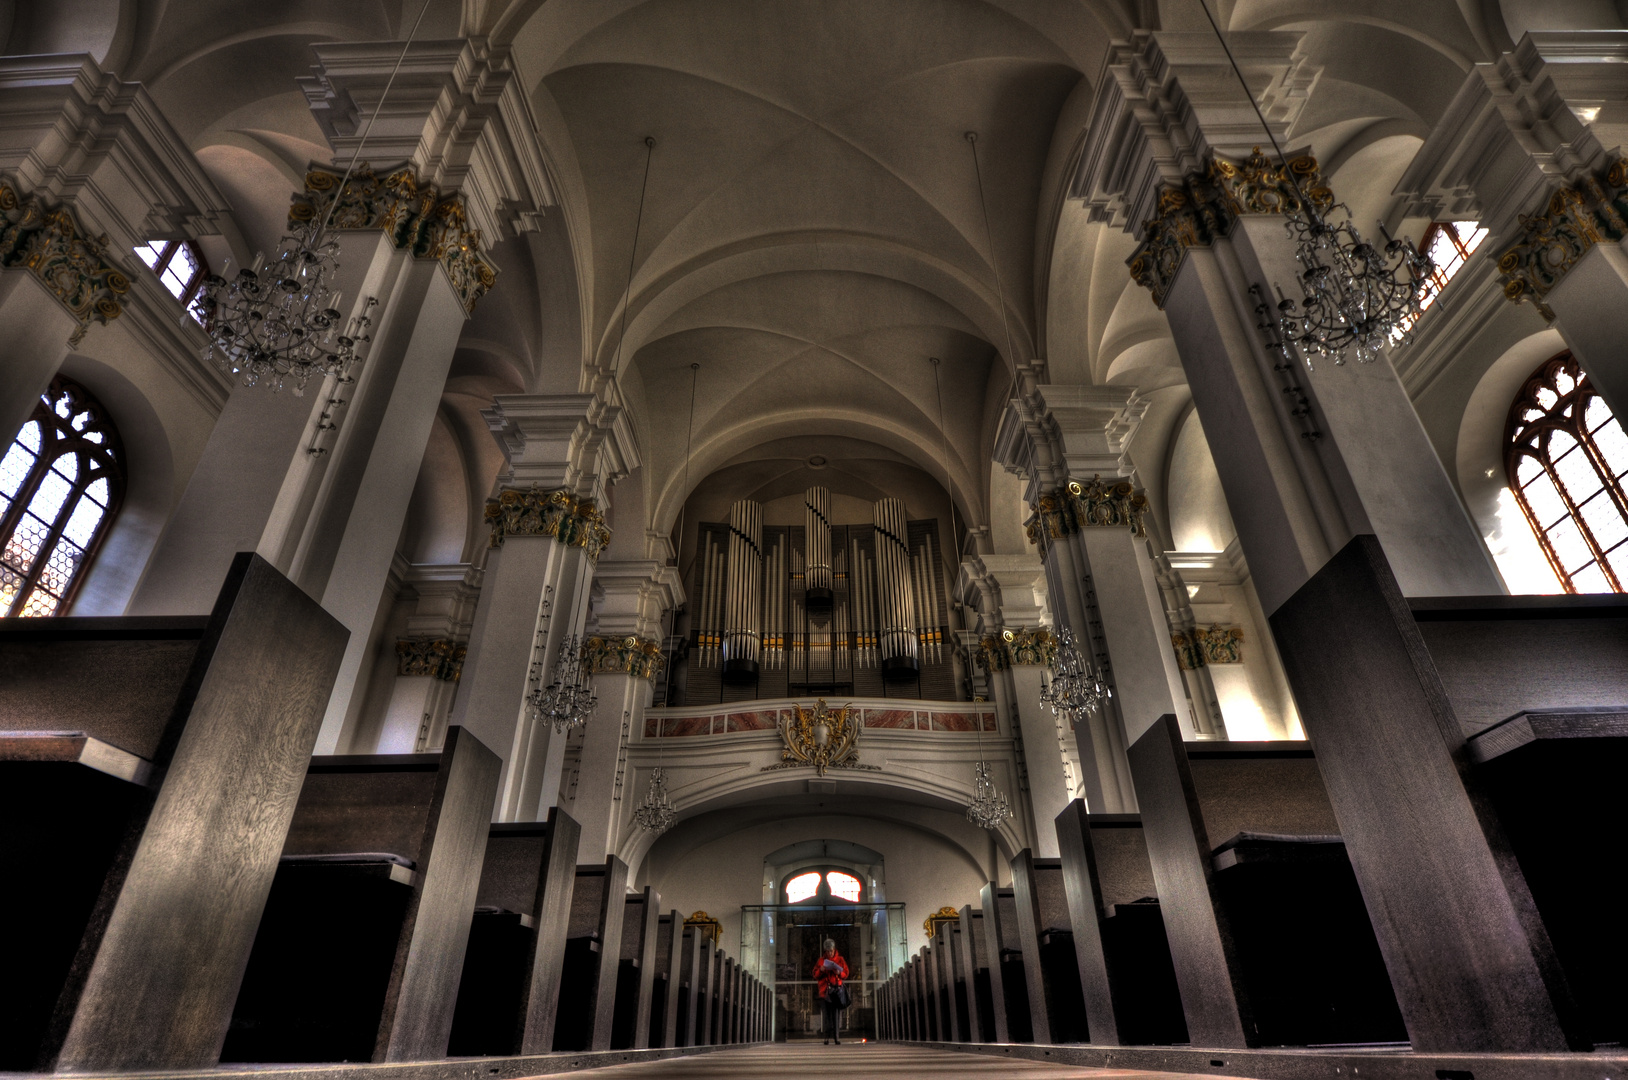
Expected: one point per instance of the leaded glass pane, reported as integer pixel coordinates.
(49, 496)
(1560, 443)
(151, 253)
(1579, 476)
(10, 582)
(24, 544)
(97, 491)
(1528, 468)
(1613, 446)
(1604, 521)
(60, 566)
(1545, 501)
(83, 521)
(1569, 545)
(1598, 412)
(39, 603)
(1590, 579)
(30, 436)
(14, 468)
(63, 408)
(68, 466)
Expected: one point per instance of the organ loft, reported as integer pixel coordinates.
(806, 537)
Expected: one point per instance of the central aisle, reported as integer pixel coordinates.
(860, 1061)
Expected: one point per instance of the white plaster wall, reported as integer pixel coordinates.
(1199, 519)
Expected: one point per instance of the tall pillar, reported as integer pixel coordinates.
(1512, 151)
(1015, 650)
(563, 452)
(332, 474)
(624, 657)
(1307, 459)
(1100, 575)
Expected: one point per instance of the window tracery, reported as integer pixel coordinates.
(1566, 456)
(61, 483)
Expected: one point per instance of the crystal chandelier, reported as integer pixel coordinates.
(1355, 295)
(281, 323)
(1076, 687)
(988, 807)
(656, 814)
(567, 702)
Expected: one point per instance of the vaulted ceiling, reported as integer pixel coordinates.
(811, 231)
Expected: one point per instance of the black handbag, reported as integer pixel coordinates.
(838, 996)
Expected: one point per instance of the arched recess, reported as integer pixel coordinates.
(783, 864)
(1480, 465)
(715, 854)
(150, 487)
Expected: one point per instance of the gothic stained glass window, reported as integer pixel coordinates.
(1566, 457)
(843, 885)
(802, 887)
(60, 485)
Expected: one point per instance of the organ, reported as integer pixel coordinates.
(787, 610)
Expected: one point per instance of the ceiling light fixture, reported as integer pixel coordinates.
(281, 324)
(1355, 296)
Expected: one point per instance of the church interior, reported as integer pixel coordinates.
(1051, 538)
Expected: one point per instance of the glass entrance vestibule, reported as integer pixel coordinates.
(781, 942)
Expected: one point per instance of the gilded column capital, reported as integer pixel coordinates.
(48, 243)
(629, 655)
(1593, 210)
(416, 217)
(1206, 205)
(440, 658)
(559, 514)
(1201, 647)
(1097, 504)
(1033, 647)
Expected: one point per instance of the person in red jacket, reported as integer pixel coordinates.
(830, 969)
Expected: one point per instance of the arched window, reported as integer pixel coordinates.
(181, 268)
(1566, 456)
(845, 886)
(60, 485)
(1449, 245)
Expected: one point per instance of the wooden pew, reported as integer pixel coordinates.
(1554, 777)
(148, 771)
(964, 950)
(1389, 705)
(703, 990)
(1268, 934)
(635, 978)
(1127, 981)
(587, 1009)
(942, 993)
(1008, 988)
(361, 946)
(1050, 966)
(665, 977)
(508, 996)
(689, 997)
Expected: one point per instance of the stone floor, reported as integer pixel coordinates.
(861, 1061)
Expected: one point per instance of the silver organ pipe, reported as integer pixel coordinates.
(711, 595)
(743, 619)
(897, 609)
(817, 589)
(935, 612)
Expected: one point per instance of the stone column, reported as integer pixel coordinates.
(1015, 650)
(1512, 152)
(563, 452)
(1099, 571)
(624, 656)
(429, 658)
(1307, 459)
(331, 478)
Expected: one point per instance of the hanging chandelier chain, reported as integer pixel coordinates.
(633, 256)
(994, 263)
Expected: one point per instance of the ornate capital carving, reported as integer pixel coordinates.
(1206, 205)
(1200, 647)
(1590, 211)
(1034, 647)
(440, 658)
(415, 217)
(560, 514)
(629, 655)
(48, 243)
(1098, 504)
